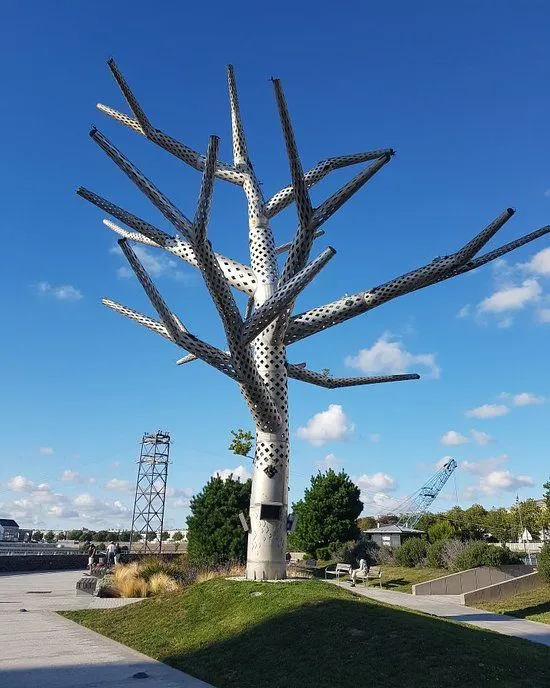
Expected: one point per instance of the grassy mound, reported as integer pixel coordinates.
(314, 634)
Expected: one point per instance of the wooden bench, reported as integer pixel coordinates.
(374, 573)
(339, 570)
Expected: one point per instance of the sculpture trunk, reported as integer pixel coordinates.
(267, 536)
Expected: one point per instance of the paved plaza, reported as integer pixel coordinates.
(41, 648)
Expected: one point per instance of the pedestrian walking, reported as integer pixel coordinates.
(117, 553)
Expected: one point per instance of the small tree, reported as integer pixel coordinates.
(38, 535)
(366, 522)
(328, 513)
(164, 536)
(215, 534)
(442, 530)
(177, 536)
(49, 537)
(546, 494)
(242, 442)
(500, 525)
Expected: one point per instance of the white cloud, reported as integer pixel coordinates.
(379, 503)
(527, 399)
(65, 292)
(452, 438)
(181, 496)
(47, 451)
(540, 262)
(20, 484)
(498, 481)
(511, 297)
(120, 485)
(543, 315)
(330, 461)
(482, 438)
(239, 473)
(62, 512)
(488, 411)
(505, 323)
(96, 510)
(157, 264)
(485, 466)
(376, 437)
(69, 476)
(327, 426)
(381, 482)
(388, 356)
(465, 311)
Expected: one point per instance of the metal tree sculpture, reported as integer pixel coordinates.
(256, 357)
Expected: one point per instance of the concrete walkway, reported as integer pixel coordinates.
(41, 648)
(446, 607)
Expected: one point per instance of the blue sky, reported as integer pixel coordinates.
(460, 92)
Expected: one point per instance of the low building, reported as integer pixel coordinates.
(11, 532)
(391, 536)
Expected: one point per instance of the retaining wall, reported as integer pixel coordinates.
(472, 579)
(60, 562)
(43, 562)
(504, 589)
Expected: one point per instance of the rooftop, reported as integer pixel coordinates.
(394, 528)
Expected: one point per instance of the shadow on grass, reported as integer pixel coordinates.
(543, 608)
(341, 642)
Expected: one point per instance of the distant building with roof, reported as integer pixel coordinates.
(392, 535)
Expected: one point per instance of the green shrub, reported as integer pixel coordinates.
(351, 552)
(412, 552)
(434, 554)
(480, 553)
(544, 562)
(323, 553)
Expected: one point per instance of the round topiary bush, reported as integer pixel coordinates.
(412, 552)
(544, 562)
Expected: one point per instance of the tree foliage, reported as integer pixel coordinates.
(242, 441)
(215, 534)
(327, 515)
(37, 535)
(442, 530)
(366, 522)
(546, 494)
(49, 536)
(177, 536)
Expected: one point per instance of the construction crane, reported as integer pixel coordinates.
(415, 506)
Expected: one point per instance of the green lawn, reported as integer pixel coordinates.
(311, 633)
(402, 579)
(531, 604)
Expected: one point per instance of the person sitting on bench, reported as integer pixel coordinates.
(362, 571)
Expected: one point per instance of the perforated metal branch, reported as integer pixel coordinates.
(205, 352)
(284, 197)
(142, 125)
(323, 317)
(166, 207)
(239, 276)
(283, 297)
(298, 372)
(283, 248)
